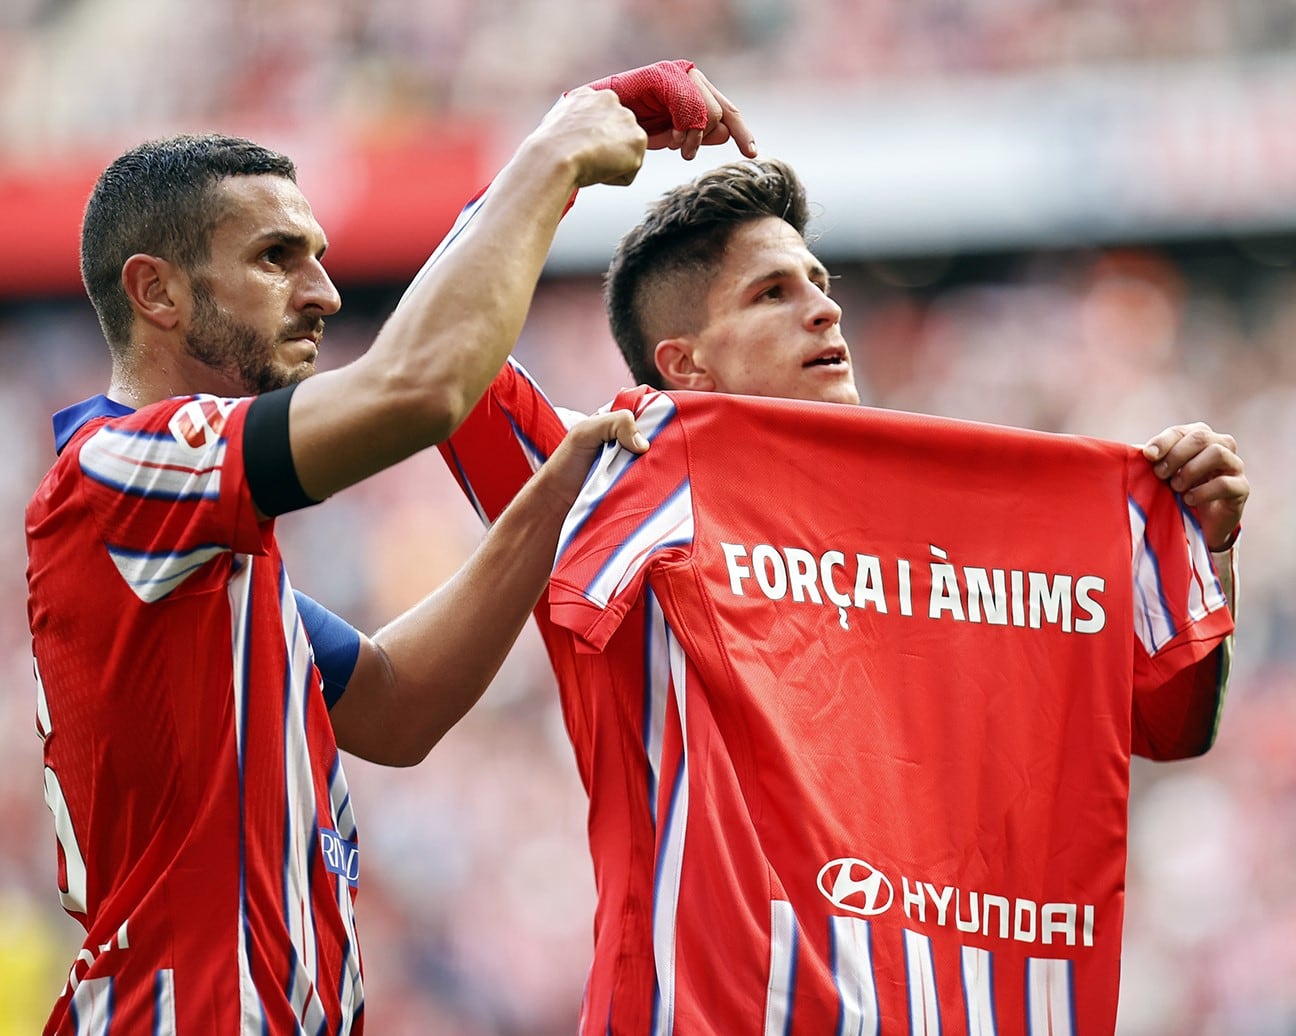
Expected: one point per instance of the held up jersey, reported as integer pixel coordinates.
(843, 776)
(902, 653)
(205, 834)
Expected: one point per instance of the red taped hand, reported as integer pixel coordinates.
(661, 95)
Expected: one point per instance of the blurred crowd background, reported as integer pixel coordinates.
(1144, 275)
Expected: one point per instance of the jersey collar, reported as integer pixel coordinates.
(69, 419)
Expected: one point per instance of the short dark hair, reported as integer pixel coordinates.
(661, 271)
(159, 199)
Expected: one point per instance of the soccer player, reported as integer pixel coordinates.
(191, 702)
(717, 291)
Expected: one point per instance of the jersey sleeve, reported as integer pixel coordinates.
(168, 490)
(1182, 625)
(509, 433)
(633, 511)
(513, 428)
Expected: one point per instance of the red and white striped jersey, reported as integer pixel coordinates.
(850, 692)
(205, 834)
(903, 653)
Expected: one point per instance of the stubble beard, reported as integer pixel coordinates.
(237, 350)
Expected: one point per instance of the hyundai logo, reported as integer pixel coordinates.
(857, 886)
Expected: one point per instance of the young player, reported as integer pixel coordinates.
(717, 291)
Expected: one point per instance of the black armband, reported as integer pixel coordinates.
(267, 455)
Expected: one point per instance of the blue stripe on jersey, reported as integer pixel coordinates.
(301, 831)
(850, 958)
(534, 455)
(664, 912)
(334, 642)
(649, 729)
(164, 1002)
(96, 995)
(977, 968)
(1203, 567)
(241, 617)
(1154, 570)
(340, 796)
(461, 476)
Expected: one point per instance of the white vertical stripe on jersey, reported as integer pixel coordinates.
(152, 576)
(852, 964)
(73, 898)
(164, 1023)
(340, 801)
(670, 856)
(978, 991)
(300, 816)
(1153, 622)
(153, 465)
(91, 1007)
(656, 693)
(1206, 593)
(1049, 1007)
(352, 984)
(920, 970)
(239, 590)
(782, 965)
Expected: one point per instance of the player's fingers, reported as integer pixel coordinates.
(690, 144)
(1179, 444)
(717, 136)
(616, 426)
(1228, 491)
(623, 429)
(724, 113)
(1193, 460)
(1159, 445)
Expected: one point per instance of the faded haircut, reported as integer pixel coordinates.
(159, 199)
(657, 284)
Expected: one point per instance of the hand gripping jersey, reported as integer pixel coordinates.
(205, 833)
(851, 693)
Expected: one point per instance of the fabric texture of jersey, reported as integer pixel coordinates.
(903, 668)
(853, 708)
(205, 834)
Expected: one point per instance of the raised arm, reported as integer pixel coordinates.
(437, 353)
(515, 426)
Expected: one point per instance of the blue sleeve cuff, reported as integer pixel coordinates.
(335, 642)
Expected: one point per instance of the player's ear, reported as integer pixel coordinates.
(679, 365)
(152, 286)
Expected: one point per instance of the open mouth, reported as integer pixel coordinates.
(832, 359)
